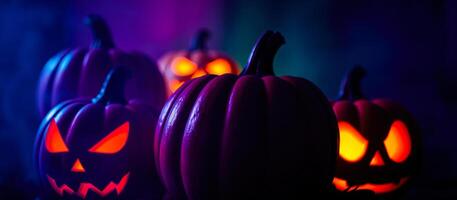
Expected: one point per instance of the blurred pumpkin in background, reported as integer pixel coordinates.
(100, 147)
(80, 72)
(248, 136)
(379, 147)
(198, 60)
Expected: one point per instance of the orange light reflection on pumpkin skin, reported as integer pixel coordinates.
(398, 142)
(198, 73)
(342, 185)
(175, 84)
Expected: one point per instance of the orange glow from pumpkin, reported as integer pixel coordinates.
(198, 73)
(78, 167)
(114, 142)
(398, 142)
(341, 185)
(352, 144)
(377, 160)
(175, 84)
(54, 142)
(85, 187)
(218, 67)
(183, 67)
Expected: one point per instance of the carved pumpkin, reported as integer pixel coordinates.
(198, 60)
(76, 73)
(252, 136)
(378, 141)
(99, 148)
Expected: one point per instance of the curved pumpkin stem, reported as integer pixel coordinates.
(262, 55)
(101, 33)
(351, 88)
(112, 90)
(200, 41)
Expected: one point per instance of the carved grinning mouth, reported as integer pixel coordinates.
(84, 187)
(342, 185)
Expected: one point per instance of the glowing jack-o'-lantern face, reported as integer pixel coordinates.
(353, 145)
(184, 65)
(184, 69)
(98, 148)
(378, 143)
(111, 144)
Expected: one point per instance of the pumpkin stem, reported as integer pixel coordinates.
(112, 90)
(200, 41)
(260, 61)
(101, 34)
(351, 88)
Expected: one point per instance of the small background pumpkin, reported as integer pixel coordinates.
(198, 60)
(253, 136)
(98, 148)
(379, 141)
(80, 72)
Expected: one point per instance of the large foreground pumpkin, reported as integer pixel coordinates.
(79, 73)
(252, 136)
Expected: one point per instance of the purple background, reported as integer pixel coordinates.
(408, 47)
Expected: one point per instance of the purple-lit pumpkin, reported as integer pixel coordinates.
(75, 73)
(378, 148)
(252, 136)
(198, 60)
(99, 148)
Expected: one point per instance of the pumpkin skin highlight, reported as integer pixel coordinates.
(180, 66)
(386, 155)
(253, 136)
(80, 72)
(91, 156)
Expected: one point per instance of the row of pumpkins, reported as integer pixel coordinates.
(110, 131)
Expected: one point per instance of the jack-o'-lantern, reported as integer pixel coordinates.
(378, 148)
(99, 148)
(252, 136)
(80, 72)
(198, 60)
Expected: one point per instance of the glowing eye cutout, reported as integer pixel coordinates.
(183, 67)
(398, 142)
(352, 144)
(54, 142)
(114, 142)
(218, 67)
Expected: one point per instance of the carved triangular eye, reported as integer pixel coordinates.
(183, 67)
(113, 142)
(398, 142)
(54, 142)
(352, 143)
(218, 67)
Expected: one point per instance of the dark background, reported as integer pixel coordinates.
(409, 48)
